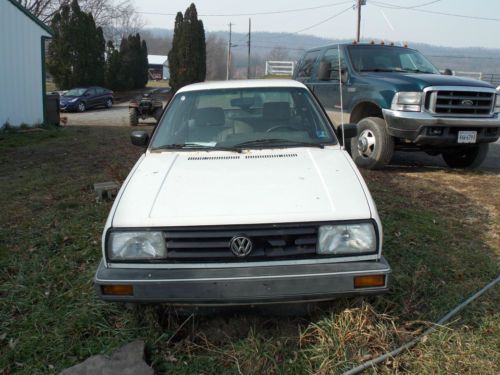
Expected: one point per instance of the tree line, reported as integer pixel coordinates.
(79, 56)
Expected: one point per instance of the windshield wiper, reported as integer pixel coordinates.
(417, 71)
(381, 70)
(278, 142)
(194, 146)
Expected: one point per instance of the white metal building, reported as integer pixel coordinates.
(158, 66)
(22, 65)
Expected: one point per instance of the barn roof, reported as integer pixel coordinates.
(28, 14)
(157, 59)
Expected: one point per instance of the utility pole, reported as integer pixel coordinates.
(249, 45)
(228, 67)
(360, 3)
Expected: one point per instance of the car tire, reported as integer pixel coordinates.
(109, 103)
(81, 107)
(133, 117)
(373, 147)
(466, 157)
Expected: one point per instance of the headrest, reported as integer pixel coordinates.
(276, 111)
(210, 116)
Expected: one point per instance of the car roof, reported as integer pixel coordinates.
(242, 83)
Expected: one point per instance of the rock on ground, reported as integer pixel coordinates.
(129, 360)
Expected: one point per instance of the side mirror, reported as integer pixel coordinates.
(350, 131)
(344, 75)
(139, 138)
(324, 71)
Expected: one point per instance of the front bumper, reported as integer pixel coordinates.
(68, 106)
(242, 285)
(417, 127)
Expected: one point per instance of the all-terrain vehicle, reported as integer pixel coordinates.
(148, 105)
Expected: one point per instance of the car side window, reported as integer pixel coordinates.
(331, 56)
(307, 64)
(91, 92)
(99, 91)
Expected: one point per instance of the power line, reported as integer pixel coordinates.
(258, 13)
(322, 22)
(392, 6)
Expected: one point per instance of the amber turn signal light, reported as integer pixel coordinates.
(369, 281)
(118, 290)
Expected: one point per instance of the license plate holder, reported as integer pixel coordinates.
(467, 136)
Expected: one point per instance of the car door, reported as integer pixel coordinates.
(91, 97)
(327, 90)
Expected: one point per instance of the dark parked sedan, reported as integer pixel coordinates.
(82, 98)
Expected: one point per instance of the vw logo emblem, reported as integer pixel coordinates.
(241, 246)
(467, 102)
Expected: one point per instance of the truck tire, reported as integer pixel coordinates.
(133, 117)
(466, 157)
(373, 147)
(157, 114)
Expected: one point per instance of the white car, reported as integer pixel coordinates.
(243, 196)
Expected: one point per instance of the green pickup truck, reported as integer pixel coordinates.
(400, 101)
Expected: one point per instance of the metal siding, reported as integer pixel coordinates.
(21, 100)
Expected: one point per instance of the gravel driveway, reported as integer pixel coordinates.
(114, 116)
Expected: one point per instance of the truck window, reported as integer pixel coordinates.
(307, 64)
(332, 56)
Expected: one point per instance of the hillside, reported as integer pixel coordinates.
(468, 59)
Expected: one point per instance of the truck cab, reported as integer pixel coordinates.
(400, 101)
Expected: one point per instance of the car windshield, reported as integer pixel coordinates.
(243, 118)
(75, 92)
(371, 58)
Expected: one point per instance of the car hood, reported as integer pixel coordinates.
(417, 82)
(223, 188)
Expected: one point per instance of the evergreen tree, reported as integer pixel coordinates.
(133, 57)
(174, 54)
(187, 58)
(113, 67)
(76, 53)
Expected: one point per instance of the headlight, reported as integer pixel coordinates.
(136, 245)
(346, 239)
(73, 100)
(497, 104)
(407, 101)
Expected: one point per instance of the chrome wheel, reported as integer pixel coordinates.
(366, 143)
(81, 107)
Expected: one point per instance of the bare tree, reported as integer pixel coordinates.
(116, 17)
(216, 58)
(278, 54)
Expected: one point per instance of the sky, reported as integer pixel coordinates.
(390, 20)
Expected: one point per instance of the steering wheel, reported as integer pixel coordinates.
(281, 127)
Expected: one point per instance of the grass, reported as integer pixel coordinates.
(441, 237)
(155, 84)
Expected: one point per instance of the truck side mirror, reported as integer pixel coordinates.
(350, 131)
(139, 138)
(344, 75)
(324, 71)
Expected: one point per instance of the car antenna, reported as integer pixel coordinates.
(341, 101)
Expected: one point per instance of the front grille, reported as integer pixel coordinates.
(269, 242)
(460, 103)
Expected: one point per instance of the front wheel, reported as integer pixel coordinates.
(373, 147)
(133, 117)
(466, 157)
(81, 107)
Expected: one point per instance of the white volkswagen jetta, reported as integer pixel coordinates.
(243, 196)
